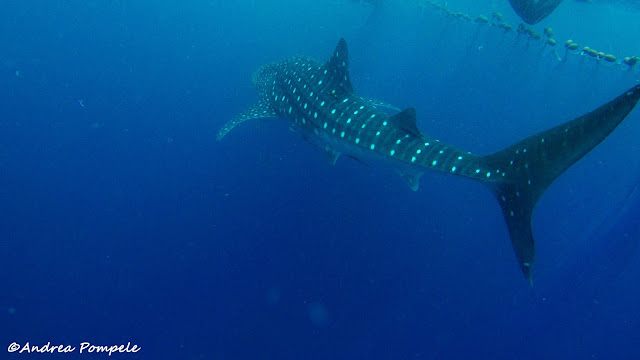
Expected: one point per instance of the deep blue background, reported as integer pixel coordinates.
(123, 219)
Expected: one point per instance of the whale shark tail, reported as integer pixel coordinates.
(528, 167)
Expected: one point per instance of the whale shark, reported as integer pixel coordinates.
(319, 103)
(533, 11)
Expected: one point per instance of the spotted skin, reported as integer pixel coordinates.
(319, 102)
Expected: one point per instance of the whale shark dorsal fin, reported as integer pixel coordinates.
(337, 67)
(406, 119)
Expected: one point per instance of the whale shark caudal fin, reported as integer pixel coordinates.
(531, 165)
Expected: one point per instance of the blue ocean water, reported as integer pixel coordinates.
(125, 221)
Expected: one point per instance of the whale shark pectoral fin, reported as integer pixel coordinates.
(256, 111)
